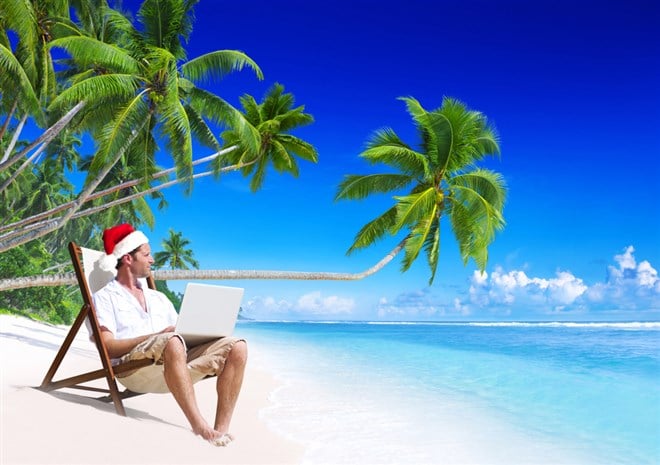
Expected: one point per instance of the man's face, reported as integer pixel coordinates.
(141, 261)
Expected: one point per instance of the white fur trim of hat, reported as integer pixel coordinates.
(129, 243)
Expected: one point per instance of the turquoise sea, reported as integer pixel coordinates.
(500, 393)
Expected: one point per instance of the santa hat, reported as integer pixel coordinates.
(118, 241)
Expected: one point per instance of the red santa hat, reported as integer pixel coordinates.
(118, 241)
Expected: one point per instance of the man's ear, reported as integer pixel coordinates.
(127, 259)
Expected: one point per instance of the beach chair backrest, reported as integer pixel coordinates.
(96, 277)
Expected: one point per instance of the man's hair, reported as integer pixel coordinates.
(131, 253)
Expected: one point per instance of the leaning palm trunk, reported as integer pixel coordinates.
(38, 220)
(64, 279)
(45, 138)
(14, 239)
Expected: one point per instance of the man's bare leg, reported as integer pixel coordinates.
(228, 386)
(179, 383)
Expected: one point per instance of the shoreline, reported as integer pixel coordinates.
(69, 426)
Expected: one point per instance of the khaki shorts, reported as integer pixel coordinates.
(203, 360)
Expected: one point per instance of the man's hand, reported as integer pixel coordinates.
(118, 347)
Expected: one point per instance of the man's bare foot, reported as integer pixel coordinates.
(222, 440)
(206, 432)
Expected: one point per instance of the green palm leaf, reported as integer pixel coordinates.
(218, 64)
(90, 52)
(432, 248)
(165, 23)
(355, 186)
(411, 209)
(117, 135)
(417, 238)
(302, 149)
(436, 131)
(219, 111)
(105, 90)
(373, 231)
(13, 76)
(386, 147)
(201, 129)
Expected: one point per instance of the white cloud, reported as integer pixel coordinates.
(316, 304)
(313, 304)
(509, 288)
(628, 286)
(418, 306)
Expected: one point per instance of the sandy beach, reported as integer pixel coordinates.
(70, 427)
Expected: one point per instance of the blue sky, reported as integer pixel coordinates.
(572, 88)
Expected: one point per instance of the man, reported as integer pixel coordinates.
(138, 322)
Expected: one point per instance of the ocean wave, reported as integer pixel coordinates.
(569, 324)
(631, 325)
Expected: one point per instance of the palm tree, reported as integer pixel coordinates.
(137, 83)
(175, 254)
(441, 178)
(273, 118)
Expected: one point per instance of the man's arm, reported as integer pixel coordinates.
(118, 347)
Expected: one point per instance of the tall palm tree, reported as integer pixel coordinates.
(274, 118)
(137, 89)
(144, 83)
(175, 254)
(441, 178)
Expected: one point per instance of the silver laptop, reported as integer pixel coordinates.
(208, 312)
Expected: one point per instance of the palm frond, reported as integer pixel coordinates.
(117, 135)
(20, 17)
(294, 118)
(432, 248)
(13, 76)
(201, 131)
(435, 129)
(295, 145)
(417, 239)
(476, 201)
(489, 185)
(259, 174)
(105, 90)
(219, 111)
(276, 102)
(218, 64)
(177, 128)
(89, 52)
(282, 160)
(165, 23)
(355, 186)
(386, 147)
(413, 208)
(373, 231)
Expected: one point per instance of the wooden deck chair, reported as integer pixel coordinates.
(90, 279)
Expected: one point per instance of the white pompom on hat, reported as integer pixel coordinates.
(118, 241)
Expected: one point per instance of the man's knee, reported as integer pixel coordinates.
(238, 353)
(174, 349)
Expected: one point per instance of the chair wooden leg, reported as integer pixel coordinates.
(84, 311)
(48, 385)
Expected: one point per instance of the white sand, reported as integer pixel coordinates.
(70, 427)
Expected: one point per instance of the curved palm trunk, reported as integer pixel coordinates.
(48, 135)
(36, 221)
(14, 139)
(10, 240)
(64, 279)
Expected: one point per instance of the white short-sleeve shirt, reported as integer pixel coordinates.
(120, 312)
